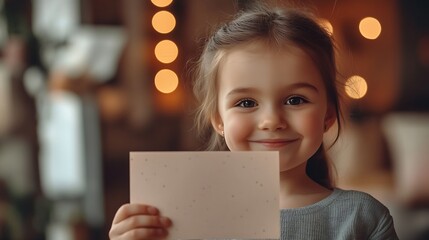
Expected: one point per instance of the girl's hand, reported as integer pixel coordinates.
(138, 221)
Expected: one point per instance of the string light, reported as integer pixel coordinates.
(163, 22)
(166, 51)
(370, 28)
(166, 81)
(161, 3)
(356, 87)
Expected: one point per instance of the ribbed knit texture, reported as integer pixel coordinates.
(342, 215)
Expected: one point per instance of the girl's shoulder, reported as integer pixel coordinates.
(364, 208)
(353, 194)
(357, 199)
(343, 202)
(367, 212)
(347, 214)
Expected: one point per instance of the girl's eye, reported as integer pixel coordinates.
(246, 103)
(295, 101)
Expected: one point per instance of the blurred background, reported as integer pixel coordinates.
(83, 83)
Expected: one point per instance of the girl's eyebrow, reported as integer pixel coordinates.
(303, 85)
(288, 87)
(240, 90)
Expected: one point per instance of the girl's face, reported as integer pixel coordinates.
(272, 99)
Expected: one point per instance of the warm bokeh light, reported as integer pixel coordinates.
(166, 51)
(161, 3)
(370, 28)
(163, 22)
(327, 25)
(356, 87)
(166, 81)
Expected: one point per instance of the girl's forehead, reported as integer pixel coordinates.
(256, 62)
(257, 51)
(266, 46)
(247, 55)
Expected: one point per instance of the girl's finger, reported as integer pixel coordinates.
(145, 221)
(127, 210)
(142, 221)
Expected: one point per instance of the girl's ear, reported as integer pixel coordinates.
(217, 124)
(330, 118)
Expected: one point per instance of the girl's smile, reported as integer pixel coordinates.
(273, 144)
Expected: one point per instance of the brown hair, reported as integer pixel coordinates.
(276, 26)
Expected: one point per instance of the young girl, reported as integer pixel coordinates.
(267, 81)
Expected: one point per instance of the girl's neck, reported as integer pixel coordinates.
(299, 190)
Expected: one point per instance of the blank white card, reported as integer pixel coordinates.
(210, 195)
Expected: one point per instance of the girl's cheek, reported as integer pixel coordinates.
(312, 125)
(237, 129)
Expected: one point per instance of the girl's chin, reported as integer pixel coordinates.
(287, 166)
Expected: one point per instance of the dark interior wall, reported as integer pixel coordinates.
(414, 94)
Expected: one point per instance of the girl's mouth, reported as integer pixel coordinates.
(274, 143)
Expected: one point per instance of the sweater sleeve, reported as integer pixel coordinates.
(385, 228)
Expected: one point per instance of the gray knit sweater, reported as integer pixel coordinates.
(342, 215)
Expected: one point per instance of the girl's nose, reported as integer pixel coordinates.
(272, 120)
